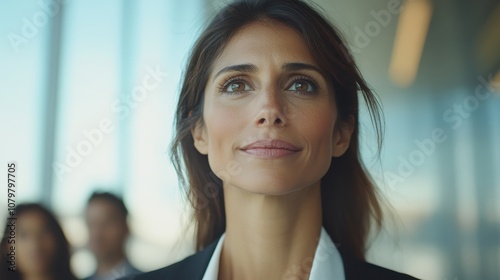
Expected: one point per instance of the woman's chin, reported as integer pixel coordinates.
(267, 187)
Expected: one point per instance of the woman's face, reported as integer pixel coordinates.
(266, 85)
(35, 244)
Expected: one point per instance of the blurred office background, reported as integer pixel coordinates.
(75, 68)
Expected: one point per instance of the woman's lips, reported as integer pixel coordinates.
(269, 153)
(270, 148)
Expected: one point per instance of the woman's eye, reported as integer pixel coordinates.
(237, 86)
(302, 86)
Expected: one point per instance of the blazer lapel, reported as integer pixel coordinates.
(194, 267)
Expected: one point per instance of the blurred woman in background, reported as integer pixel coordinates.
(41, 249)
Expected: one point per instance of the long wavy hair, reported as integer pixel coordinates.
(348, 194)
(60, 264)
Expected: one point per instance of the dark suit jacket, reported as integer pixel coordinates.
(194, 266)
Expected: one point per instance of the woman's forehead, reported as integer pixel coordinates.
(264, 43)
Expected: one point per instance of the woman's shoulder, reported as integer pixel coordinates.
(187, 269)
(191, 267)
(357, 270)
(194, 266)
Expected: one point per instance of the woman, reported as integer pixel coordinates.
(267, 139)
(41, 249)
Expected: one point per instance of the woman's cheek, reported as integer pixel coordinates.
(319, 131)
(223, 130)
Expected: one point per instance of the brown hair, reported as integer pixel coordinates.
(110, 198)
(60, 264)
(348, 194)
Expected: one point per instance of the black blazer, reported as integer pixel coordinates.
(194, 266)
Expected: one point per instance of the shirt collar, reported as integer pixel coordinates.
(326, 264)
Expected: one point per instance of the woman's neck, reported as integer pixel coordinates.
(268, 237)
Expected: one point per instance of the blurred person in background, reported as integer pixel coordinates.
(41, 248)
(106, 217)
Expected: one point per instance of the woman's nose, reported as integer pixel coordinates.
(271, 110)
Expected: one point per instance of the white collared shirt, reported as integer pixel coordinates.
(326, 265)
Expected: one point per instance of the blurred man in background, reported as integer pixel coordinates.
(106, 217)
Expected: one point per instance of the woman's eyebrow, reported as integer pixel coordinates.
(247, 68)
(237, 68)
(295, 66)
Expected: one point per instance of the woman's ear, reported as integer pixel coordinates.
(342, 136)
(200, 138)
